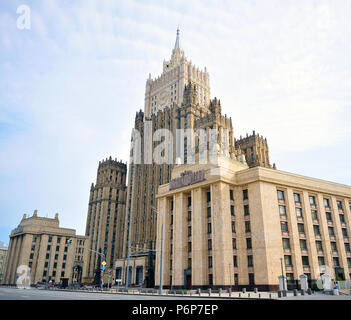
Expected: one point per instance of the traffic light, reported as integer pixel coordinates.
(69, 242)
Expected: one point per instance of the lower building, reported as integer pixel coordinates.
(52, 253)
(3, 255)
(228, 225)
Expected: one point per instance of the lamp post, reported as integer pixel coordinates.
(283, 278)
(161, 257)
(103, 256)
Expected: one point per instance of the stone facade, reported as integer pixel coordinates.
(105, 221)
(42, 245)
(3, 255)
(238, 227)
(188, 107)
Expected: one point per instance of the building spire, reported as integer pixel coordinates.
(176, 46)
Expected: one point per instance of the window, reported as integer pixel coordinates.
(316, 230)
(280, 195)
(248, 243)
(301, 228)
(209, 243)
(319, 246)
(342, 218)
(286, 243)
(232, 212)
(58, 240)
(189, 231)
(189, 246)
(303, 244)
(233, 226)
(66, 248)
(299, 212)
(329, 216)
(50, 239)
(321, 261)
(48, 248)
(333, 246)
(47, 256)
(282, 210)
(246, 210)
(336, 262)
(326, 203)
(314, 214)
(231, 194)
(209, 227)
(349, 262)
(234, 243)
(331, 231)
(208, 196)
(297, 198)
(208, 212)
(189, 201)
(57, 248)
(347, 247)
(250, 261)
(210, 261)
(65, 257)
(251, 279)
(288, 261)
(245, 194)
(62, 274)
(235, 261)
(210, 279)
(34, 238)
(46, 264)
(344, 232)
(312, 200)
(339, 204)
(189, 215)
(284, 226)
(55, 265)
(305, 261)
(31, 256)
(247, 226)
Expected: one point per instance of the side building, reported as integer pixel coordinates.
(239, 226)
(105, 220)
(52, 253)
(3, 255)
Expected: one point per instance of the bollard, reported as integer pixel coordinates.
(209, 291)
(279, 294)
(255, 290)
(270, 296)
(191, 292)
(244, 290)
(295, 292)
(284, 293)
(248, 295)
(239, 295)
(220, 291)
(199, 292)
(259, 295)
(230, 292)
(302, 292)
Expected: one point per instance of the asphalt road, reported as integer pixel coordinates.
(40, 294)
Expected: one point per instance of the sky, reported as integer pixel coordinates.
(70, 86)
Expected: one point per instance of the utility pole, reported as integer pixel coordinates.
(128, 254)
(47, 275)
(161, 257)
(102, 271)
(283, 278)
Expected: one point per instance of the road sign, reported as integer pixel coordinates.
(104, 263)
(103, 267)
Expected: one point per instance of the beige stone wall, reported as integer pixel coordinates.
(265, 226)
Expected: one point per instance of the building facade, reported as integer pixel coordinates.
(3, 255)
(105, 220)
(177, 100)
(52, 253)
(239, 226)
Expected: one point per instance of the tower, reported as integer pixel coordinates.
(105, 219)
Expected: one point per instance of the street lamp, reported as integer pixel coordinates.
(161, 258)
(104, 259)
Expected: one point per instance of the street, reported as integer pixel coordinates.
(40, 294)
